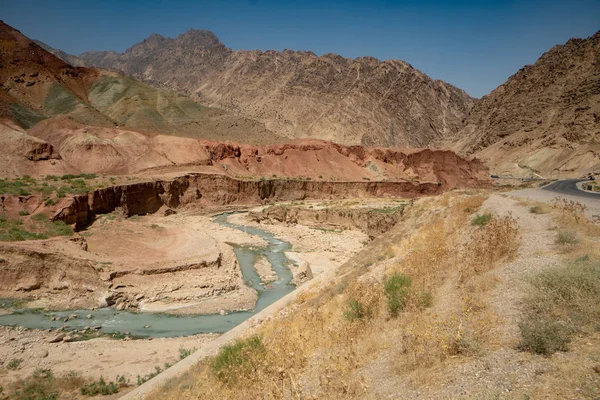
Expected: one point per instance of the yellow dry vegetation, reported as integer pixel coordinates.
(317, 350)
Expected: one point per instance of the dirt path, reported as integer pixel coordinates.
(534, 255)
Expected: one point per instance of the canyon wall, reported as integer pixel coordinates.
(220, 190)
(371, 221)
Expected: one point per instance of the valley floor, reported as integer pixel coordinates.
(121, 249)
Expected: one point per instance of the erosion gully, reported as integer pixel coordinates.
(165, 325)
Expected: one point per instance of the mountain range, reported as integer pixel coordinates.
(545, 120)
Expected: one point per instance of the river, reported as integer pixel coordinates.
(165, 325)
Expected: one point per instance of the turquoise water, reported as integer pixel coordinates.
(165, 325)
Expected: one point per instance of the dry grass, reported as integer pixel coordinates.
(570, 215)
(317, 352)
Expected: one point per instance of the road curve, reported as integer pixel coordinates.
(569, 187)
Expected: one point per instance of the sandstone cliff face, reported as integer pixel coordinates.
(373, 222)
(298, 94)
(62, 280)
(219, 190)
(545, 119)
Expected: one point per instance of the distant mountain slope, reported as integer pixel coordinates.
(35, 85)
(297, 94)
(545, 119)
(68, 58)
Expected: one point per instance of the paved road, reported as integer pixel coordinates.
(569, 187)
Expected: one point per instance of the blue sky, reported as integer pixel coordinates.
(475, 45)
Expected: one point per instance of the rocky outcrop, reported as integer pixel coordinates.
(63, 281)
(219, 190)
(543, 120)
(372, 221)
(320, 160)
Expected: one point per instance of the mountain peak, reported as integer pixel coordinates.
(199, 37)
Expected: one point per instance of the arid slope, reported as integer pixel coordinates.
(545, 119)
(298, 94)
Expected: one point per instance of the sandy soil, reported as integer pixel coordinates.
(92, 358)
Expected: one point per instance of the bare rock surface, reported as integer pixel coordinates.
(544, 120)
(297, 93)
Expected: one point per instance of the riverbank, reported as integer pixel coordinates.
(112, 245)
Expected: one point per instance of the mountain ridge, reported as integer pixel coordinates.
(544, 120)
(297, 93)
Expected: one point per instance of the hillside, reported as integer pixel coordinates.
(545, 119)
(298, 94)
(36, 85)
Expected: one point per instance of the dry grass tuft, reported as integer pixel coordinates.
(564, 302)
(495, 242)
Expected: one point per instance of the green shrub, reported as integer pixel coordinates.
(40, 386)
(183, 353)
(62, 192)
(238, 359)
(99, 387)
(145, 378)
(481, 220)
(566, 237)
(354, 311)
(397, 291)
(104, 388)
(49, 202)
(23, 213)
(40, 217)
(58, 228)
(14, 364)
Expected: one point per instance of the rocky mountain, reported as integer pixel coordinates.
(544, 120)
(298, 94)
(68, 58)
(52, 113)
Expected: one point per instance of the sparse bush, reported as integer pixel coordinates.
(495, 241)
(41, 385)
(425, 299)
(354, 311)
(570, 210)
(99, 387)
(14, 364)
(397, 290)
(544, 336)
(536, 210)
(49, 202)
(39, 217)
(23, 213)
(238, 359)
(104, 388)
(183, 353)
(481, 220)
(566, 238)
(564, 302)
